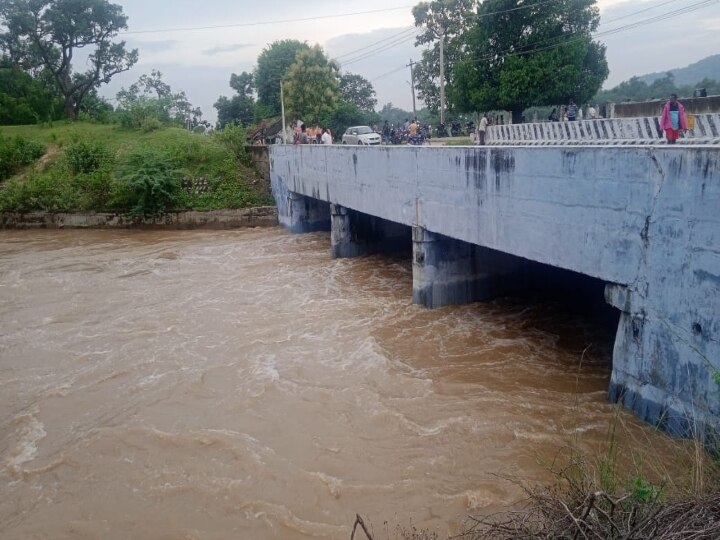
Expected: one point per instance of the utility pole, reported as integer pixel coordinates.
(442, 75)
(282, 108)
(412, 87)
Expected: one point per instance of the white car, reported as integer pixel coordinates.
(361, 135)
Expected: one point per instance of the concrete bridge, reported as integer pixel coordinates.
(480, 220)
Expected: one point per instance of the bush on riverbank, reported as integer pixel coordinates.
(17, 152)
(630, 491)
(625, 493)
(91, 167)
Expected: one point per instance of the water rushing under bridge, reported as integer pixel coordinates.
(481, 221)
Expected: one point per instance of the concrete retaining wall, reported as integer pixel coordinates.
(706, 105)
(642, 131)
(643, 219)
(218, 219)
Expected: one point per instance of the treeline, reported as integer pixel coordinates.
(315, 90)
(634, 89)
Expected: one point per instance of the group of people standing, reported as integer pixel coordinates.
(312, 136)
(571, 112)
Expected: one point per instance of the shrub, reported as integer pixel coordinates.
(151, 182)
(148, 125)
(233, 137)
(44, 192)
(17, 152)
(86, 156)
(143, 111)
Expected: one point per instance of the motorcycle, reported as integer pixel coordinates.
(442, 131)
(455, 129)
(397, 136)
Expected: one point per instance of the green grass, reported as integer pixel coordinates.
(465, 141)
(85, 168)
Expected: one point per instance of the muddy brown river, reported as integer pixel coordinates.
(244, 385)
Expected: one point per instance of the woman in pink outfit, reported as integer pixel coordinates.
(673, 119)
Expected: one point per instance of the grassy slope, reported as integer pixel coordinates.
(198, 156)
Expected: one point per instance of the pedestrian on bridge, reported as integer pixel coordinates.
(673, 120)
(481, 130)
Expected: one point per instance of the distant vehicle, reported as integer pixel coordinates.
(361, 135)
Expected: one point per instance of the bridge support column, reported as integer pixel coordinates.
(354, 233)
(663, 360)
(304, 214)
(451, 272)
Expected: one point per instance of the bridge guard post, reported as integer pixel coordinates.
(451, 272)
(304, 214)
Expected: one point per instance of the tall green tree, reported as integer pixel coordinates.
(238, 109)
(439, 19)
(47, 33)
(312, 86)
(25, 99)
(272, 64)
(357, 90)
(540, 54)
(151, 97)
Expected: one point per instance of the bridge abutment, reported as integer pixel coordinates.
(354, 233)
(451, 272)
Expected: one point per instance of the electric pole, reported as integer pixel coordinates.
(282, 108)
(442, 75)
(412, 87)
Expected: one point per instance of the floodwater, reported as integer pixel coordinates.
(244, 385)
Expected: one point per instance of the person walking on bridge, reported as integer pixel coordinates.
(482, 129)
(572, 110)
(673, 120)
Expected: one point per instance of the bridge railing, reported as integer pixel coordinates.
(645, 130)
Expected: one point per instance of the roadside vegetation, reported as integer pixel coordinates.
(84, 166)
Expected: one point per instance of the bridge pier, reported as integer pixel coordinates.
(450, 272)
(661, 357)
(303, 214)
(354, 233)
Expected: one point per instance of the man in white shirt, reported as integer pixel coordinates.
(481, 129)
(326, 137)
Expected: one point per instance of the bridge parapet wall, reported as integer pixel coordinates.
(610, 131)
(643, 219)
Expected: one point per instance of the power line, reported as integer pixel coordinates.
(263, 23)
(379, 50)
(401, 41)
(402, 32)
(630, 26)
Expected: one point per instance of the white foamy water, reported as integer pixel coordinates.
(225, 385)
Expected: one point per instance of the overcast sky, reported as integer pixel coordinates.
(200, 61)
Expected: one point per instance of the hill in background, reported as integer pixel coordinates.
(706, 68)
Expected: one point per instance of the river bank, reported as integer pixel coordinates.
(261, 216)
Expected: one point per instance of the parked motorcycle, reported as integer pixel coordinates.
(442, 130)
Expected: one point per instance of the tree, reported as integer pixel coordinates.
(239, 109)
(449, 19)
(151, 97)
(25, 99)
(357, 90)
(47, 33)
(272, 64)
(312, 88)
(517, 58)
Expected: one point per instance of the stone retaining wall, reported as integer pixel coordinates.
(614, 131)
(265, 216)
